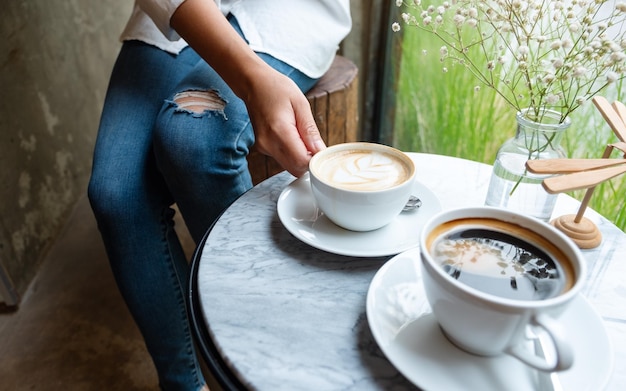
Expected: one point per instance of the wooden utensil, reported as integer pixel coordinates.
(590, 174)
(584, 232)
(563, 166)
(612, 118)
(621, 146)
(581, 180)
(620, 108)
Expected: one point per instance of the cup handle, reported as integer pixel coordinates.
(564, 355)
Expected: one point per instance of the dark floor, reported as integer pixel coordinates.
(72, 330)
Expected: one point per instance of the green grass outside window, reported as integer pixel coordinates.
(441, 112)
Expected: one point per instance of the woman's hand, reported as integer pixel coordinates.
(281, 116)
(283, 123)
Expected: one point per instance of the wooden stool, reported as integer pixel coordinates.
(334, 105)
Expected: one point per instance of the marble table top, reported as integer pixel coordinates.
(287, 316)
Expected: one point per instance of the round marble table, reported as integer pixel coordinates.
(273, 313)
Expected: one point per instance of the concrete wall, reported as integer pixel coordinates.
(55, 60)
(56, 57)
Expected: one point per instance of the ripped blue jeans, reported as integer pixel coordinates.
(171, 131)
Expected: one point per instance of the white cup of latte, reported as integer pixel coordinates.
(361, 186)
(492, 275)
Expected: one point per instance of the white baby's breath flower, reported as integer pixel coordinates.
(596, 44)
(399, 3)
(579, 72)
(574, 27)
(552, 99)
(395, 27)
(617, 57)
(523, 50)
(459, 19)
(611, 77)
(558, 63)
(567, 43)
(614, 47)
(535, 54)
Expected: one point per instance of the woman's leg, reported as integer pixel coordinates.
(131, 203)
(203, 135)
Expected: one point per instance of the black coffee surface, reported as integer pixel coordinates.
(499, 264)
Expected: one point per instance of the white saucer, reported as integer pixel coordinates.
(300, 216)
(406, 331)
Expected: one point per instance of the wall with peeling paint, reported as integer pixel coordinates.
(56, 57)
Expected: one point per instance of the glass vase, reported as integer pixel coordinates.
(511, 185)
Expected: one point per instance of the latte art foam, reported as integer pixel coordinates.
(363, 170)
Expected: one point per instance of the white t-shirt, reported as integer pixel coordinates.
(303, 33)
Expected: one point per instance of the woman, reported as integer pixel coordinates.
(196, 83)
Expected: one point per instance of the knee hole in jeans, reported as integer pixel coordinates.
(200, 101)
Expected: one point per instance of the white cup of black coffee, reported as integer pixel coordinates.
(491, 275)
